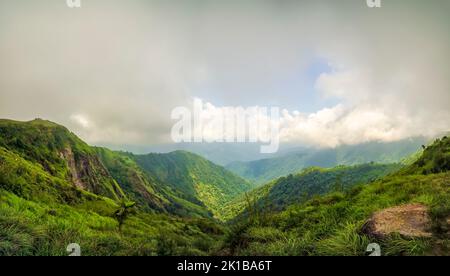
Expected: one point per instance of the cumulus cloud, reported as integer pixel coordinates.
(114, 70)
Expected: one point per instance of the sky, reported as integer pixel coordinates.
(112, 71)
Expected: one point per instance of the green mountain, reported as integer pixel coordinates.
(56, 190)
(294, 189)
(45, 158)
(146, 190)
(41, 157)
(140, 187)
(265, 170)
(194, 178)
(336, 223)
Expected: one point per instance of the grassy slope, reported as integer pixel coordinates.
(280, 193)
(42, 214)
(45, 229)
(331, 224)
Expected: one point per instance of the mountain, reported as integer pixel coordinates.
(56, 190)
(41, 157)
(295, 189)
(194, 178)
(265, 170)
(146, 189)
(408, 202)
(218, 153)
(179, 182)
(47, 159)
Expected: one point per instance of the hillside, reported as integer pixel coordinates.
(194, 178)
(285, 191)
(265, 170)
(56, 190)
(179, 182)
(41, 155)
(336, 224)
(42, 159)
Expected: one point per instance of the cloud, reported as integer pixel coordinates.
(114, 70)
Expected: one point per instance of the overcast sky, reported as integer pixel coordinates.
(112, 71)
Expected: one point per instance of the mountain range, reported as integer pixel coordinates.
(55, 190)
(264, 170)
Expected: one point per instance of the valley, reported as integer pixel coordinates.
(56, 190)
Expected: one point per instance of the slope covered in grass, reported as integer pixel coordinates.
(279, 194)
(333, 224)
(29, 228)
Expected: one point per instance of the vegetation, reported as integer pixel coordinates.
(332, 224)
(266, 170)
(123, 212)
(56, 190)
(285, 191)
(194, 178)
(30, 228)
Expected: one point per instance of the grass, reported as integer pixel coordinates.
(331, 225)
(30, 228)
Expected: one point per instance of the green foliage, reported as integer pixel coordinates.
(139, 186)
(193, 178)
(56, 190)
(123, 212)
(285, 191)
(57, 152)
(330, 225)
(435, 159)
(30, 228)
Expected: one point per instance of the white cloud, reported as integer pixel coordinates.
(112, 72)
(81, 120)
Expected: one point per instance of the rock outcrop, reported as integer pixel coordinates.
(411, 220)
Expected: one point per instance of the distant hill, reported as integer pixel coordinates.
(295, 189)
(265, 170)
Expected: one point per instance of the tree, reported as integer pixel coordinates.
(125, 209)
